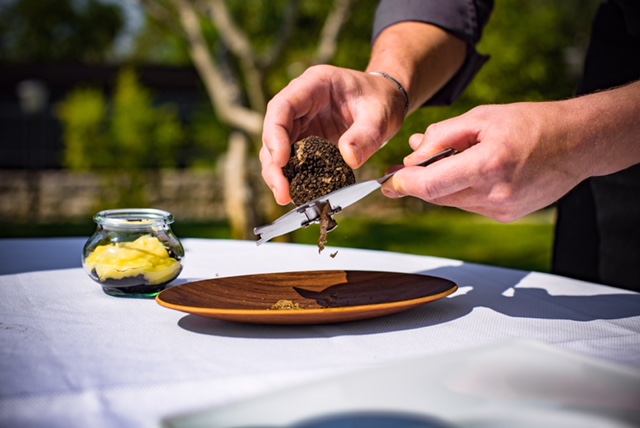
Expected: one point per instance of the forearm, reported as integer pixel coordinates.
(605, 129)
(422, 57)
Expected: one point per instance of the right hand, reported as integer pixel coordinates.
(514, 159)
(354, 110)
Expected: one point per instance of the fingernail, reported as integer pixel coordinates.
(357, 154)
(390, 193)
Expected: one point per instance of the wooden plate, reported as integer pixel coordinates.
(322, 296)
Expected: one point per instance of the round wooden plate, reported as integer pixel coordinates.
(322, 296)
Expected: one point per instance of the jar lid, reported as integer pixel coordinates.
(133, 218)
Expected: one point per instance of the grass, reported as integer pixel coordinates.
(525, 244)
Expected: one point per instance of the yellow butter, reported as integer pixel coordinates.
(145, 256)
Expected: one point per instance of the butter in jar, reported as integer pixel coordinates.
(133, 252)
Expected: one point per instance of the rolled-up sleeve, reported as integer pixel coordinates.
(464, 19)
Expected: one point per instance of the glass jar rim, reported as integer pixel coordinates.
(133, 218)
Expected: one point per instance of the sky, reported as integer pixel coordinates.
(134, 23)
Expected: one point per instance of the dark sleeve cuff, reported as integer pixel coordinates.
(464, 19)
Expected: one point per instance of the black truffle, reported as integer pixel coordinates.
(315, 169)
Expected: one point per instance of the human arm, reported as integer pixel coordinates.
(518, 158)
(355, 110)
(424, 65)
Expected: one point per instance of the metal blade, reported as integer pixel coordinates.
(311, 212)
(289, 222)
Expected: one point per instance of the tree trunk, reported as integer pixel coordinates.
(237, 194)
(241, 199)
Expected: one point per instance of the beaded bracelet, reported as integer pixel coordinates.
(398, 84)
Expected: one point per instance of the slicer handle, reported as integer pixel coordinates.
(437, 157)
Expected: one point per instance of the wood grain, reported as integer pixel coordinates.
(324, 296)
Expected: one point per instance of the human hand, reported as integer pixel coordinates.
(354, 110)
(515, 159)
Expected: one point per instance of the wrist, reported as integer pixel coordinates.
(403, 91)
(422, 57)
(606, 126)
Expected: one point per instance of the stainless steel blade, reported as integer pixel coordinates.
(310, 213)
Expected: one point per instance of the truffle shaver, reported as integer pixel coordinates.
(311, 212)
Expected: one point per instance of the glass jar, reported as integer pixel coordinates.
(133, 252)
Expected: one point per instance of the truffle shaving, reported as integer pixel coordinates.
(286, 305)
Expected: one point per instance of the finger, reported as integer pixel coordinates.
(458, 133)
(498, 213)
(363, 139)
(415, 140)
(277, 130)
(350, 148)
(289, 112)
(439, 180)
(465, 199)
(275, 179)
(394, 168)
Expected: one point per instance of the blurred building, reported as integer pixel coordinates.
(30, 132)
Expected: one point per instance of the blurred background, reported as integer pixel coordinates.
(159, 103)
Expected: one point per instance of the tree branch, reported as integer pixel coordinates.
(222, 100)
(162, 14)
(240, 45)
(286, 29)
(328, 42)
(233, 36)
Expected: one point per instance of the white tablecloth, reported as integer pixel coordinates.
(72, 356)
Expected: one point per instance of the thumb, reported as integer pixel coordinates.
(359, 143)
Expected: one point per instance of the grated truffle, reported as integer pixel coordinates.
(286, 305)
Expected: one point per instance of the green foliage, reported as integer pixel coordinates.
(354, 45)
(84, 115)
(161, 41)
(47, 31)
(260, 19)
(142, 135)
(122, 144)
(209, 137)
(527, 42)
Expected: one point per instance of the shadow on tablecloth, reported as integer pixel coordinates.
(16, 255)
(480, 287)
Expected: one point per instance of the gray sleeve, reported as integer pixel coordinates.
(464, 19)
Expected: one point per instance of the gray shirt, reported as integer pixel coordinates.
(464, 19)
